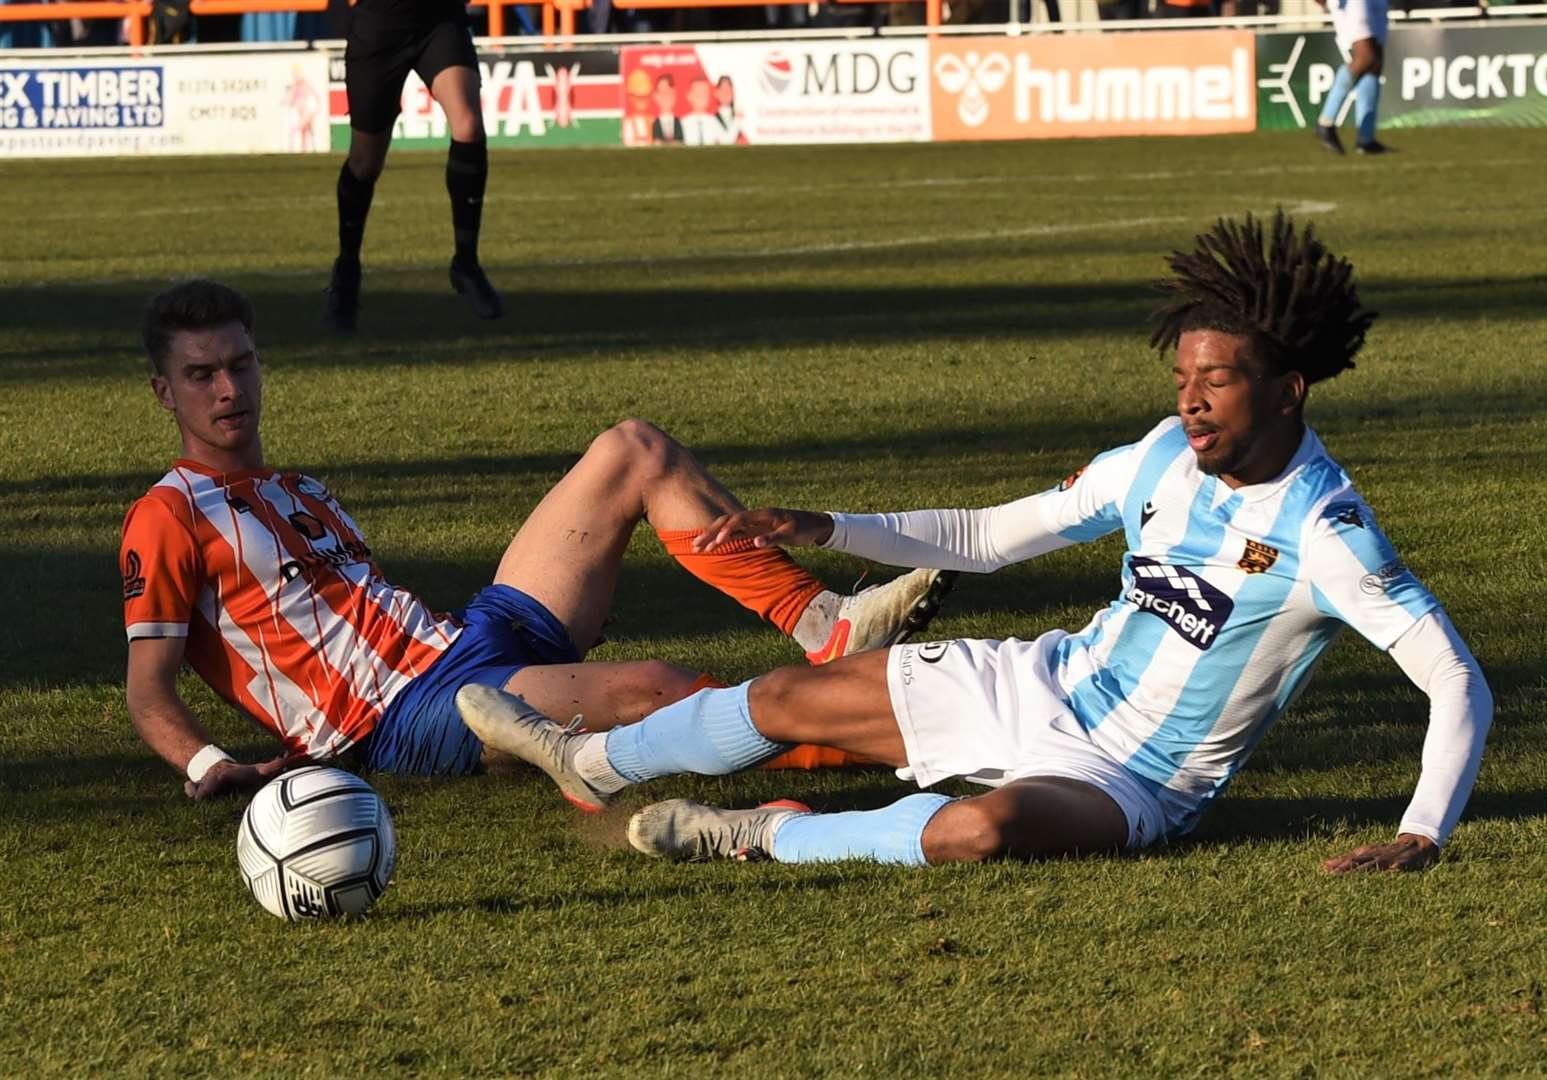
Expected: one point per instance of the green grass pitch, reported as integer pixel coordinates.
(858, 328)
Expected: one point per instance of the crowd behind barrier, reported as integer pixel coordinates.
(649, 16)
(642, 17)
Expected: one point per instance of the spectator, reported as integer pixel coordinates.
(1120, 9)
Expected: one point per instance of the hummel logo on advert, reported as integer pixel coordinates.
(1145, 515)
(1195, 609)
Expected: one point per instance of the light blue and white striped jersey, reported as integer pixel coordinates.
(1229, 599)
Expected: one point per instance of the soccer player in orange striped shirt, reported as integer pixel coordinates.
(261, 581)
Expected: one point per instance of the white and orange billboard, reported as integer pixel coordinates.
(1058, 86)
(775, 92)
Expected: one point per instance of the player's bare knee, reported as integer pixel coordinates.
(657, 684)
(775, 701)
(967, 830)
(640, 447)
(467, 127)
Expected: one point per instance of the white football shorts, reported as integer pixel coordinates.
(989, 712)
(1355, 20)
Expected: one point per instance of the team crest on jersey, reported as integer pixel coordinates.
(1258, 557)
(1068, 482)
(239, 504)
(307, 525)
(134, 581)
(1345, 513)
(1191, 606)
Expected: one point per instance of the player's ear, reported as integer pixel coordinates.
(163, 391)
(1291, 392)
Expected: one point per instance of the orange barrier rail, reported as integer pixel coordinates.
(136, 11)
(562, 12)
(558, 15)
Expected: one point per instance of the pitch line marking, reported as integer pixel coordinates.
(1303, 207)
(737, 191)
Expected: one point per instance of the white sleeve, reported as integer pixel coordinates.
(1085, 506)
(1433, 655)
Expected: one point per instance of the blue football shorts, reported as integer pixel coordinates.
(421, 733)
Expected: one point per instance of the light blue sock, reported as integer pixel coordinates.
(1342, 83)
(1366, 103)
(892, 834)
(709, 733)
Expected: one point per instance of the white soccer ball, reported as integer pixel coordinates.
(316, 843)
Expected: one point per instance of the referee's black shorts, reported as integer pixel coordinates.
(381, 51)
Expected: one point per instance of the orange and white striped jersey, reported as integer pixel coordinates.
(287, 616)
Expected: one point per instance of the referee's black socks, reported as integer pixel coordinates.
(467, 173)
(354, 204)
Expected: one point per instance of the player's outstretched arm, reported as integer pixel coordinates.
(1433, 655)
(169, 727)
(977, 541)
(1083, 507)
(766, 527)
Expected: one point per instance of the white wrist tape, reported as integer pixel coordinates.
(205, 760)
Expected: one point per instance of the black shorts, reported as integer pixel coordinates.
(382, 51)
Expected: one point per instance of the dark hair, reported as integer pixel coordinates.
(190, 305)
(1295, 301)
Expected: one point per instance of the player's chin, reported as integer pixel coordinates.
(1212, 463)
(1220, 458)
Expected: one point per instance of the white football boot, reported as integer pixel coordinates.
(507, 723)
(885, 614)
(686, 831)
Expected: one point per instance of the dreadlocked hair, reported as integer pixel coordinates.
(1295, 302)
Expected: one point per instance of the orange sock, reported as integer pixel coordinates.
(809, 756)
(704, 682)
(802, 756)
(764, 580)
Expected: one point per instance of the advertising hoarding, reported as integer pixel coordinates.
(1043, 87)
(180, 104)
(1433, 76)
(538, 98)
(779, 92)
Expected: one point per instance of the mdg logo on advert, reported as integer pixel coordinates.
(1183, 83)
(775, 73)
(1195, 609)
(822, 70)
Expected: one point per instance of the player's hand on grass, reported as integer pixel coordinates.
(232, 777)
(765, 528)
(1406, 852)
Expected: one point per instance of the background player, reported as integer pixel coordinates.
(386, 40)
(1248, 550)
(1360, 28)
(267, 588)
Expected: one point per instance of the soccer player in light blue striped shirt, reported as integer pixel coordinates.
(1248, 551)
